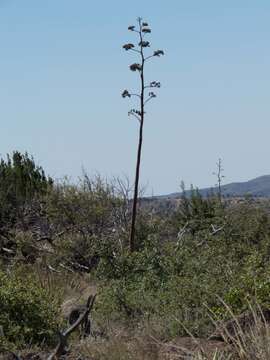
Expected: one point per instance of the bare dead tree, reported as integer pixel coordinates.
(61, 348)
(142, 30)
(220, 177)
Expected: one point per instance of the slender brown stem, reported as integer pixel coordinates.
(139, 151)
(142, 31)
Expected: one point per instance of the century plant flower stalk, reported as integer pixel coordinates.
(142, 30)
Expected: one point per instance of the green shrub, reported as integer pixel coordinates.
(21, 180)
(252, 286)
(176, 282)
(29, 315)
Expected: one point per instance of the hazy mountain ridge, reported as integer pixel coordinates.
(258, 187)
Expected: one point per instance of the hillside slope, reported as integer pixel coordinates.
(258, 187)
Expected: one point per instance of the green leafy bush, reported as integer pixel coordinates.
(29, 315)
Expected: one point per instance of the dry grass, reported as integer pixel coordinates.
(248, 343)
(142, 349)
(124, 344)
(252, 342)
(120, 348)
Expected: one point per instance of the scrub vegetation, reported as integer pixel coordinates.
(199, 263)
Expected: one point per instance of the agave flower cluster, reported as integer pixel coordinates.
(144, 43)
(126, 93)
(158, 52)
(142, 30)
(155, 84)
(128, 46)
(134, 111)
(136, 66)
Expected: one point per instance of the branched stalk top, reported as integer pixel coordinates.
(141, 48)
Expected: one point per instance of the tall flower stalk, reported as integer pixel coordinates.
(141, 49)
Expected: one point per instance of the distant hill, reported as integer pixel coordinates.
(259, 187)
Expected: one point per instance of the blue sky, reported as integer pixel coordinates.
(62, 72)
